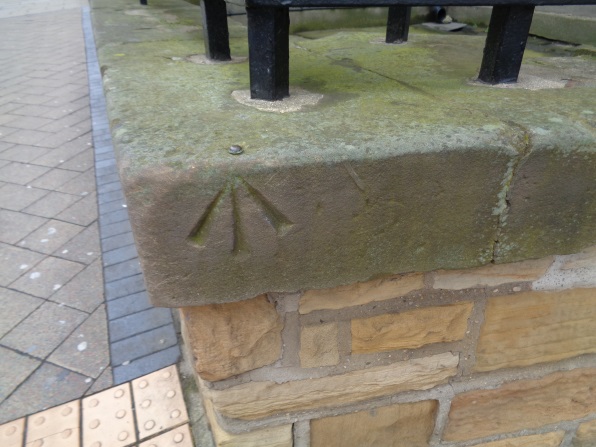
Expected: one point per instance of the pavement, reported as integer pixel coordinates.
(76, 319)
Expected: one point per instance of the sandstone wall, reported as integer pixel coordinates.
(498, 356)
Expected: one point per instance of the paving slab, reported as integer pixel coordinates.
(84, 247)
(21, 173)
(23, 154)
(16, 261)
(50, 236)
(51, 204)
(83, 212)
(17, 197)
(84, 291)
(16, 306)
(14, 367)
(15, 226)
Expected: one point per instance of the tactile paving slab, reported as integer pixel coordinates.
(56, 427)
(159, 404)
(11, 433)
(108, 419)
(178, 437)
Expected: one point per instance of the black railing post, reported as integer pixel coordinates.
(268, 52)
(505, 43)
(143, 2)
(215, 29)
(398, 24)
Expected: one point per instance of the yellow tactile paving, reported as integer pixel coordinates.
(159, 404)
(11, 433)
(108, 419)
(56, 427)
(178, 437)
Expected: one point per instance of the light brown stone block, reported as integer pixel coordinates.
(318, 346)
(411, 329)
(492, 275)
(360, 293)
(229, 339)
(537, 327)
(552, 439)
(403, 425)
(524, 404)
(585, 435)
(280, 436)
(257, 400)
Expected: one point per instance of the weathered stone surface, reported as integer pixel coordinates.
(585, 435)
(280, 436)
(524, 404)
(403, 425)
(552, 439)
(261, 399)
(229, 339)
(491, 275)
(370, 182)
(411, 329)
(318, 346)
(360, 293)
(537, 327)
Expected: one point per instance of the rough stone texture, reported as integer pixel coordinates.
(585, 435)
(523, 404)
(229, 339)
(318, 346)
(546, 440)
(360, 293)
(412, 187)
(280, 436)
(537, 327)
(411, 329)
(261, 399)
(403, 425)
(491, 275)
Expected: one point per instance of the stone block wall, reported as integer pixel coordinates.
(502, 355)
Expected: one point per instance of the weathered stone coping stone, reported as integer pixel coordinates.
(403, 166)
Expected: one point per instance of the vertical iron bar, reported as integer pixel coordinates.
(268, 52)
(505, 43)
(215, 29)
(143, 2)
(398, 24)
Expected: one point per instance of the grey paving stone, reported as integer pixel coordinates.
(15, 226)
(16, 261)
(23, 154)
(115, 229)
(110, 178)
(84, 247)
(80, 162)
(17, 197)
(51, 236)
(143, 344)
(48, 386)
(138, 323)
(119, 255)
(105, 163)
(113, 217)
(83, 183)
(16, 306)
(122, 270)
(108, 207)
(110, 196)
(118, 241)
(107, 187)
(54, 178)
(83, 212)
(13, 368)
(105, 170)
(129, 304)
(59, 156)
(44, 330)
(52, 204)
(30, 122)
(27, 137)
(103, 156)
(21, 173)
(86, 350)
(146, 365)
(103, 382)
(47, 277)
(84, 291)
(124, 287)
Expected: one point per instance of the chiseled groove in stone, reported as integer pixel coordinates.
(261, 399)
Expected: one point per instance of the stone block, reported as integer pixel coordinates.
(229, 339)
(280, 436)
(520, 405)
(537, 327)
(318, 346)
(257, 400)
(552, 439)
(491, 275)
(410, 329)
(402, 425)
(585, 436)
(360, 293)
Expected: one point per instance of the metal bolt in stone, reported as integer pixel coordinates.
(235, 149)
